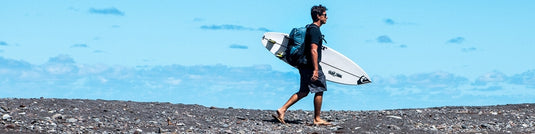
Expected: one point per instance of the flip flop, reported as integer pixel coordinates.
(279, 119)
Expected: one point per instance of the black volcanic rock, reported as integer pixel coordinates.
(103, 116)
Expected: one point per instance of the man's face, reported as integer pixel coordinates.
(323, 18)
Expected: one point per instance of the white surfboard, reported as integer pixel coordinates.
(336, 67)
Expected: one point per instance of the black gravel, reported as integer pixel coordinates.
(103, 116)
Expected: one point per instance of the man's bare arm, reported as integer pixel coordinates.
(314, 55)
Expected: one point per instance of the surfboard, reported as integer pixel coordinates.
(336, 67)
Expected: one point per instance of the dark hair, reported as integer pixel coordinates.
(317, 10)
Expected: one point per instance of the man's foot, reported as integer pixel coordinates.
(321, 122)
(279, 116)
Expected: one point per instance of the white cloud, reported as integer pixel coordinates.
(60, 69)
(106, 11)
(173, 81)
(194, 76)
(456, 40)
(525, 78)
(80, 82)
(63, 77)
(491, 77)
(30, 74)
(5, 71)
(102, 80)
(91, 69)
(14, 64)
(500, 90)
(432, 80)
(384, 39)
(233, 27)
(61, 59)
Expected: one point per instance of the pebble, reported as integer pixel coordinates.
(102, 116)
(10, 126)
(395, 117)
(6, 117)
(2, 110)
(485, 126)
(57, 116)
(72, 120)
(393, 127)
(138, 131)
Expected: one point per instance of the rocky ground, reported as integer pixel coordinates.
(102, 116)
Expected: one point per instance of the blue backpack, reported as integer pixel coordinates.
(295, 52)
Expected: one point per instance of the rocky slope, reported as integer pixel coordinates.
(103, 116)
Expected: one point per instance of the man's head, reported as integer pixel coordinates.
(319, 13)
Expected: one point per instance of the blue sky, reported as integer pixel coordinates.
(418, 53)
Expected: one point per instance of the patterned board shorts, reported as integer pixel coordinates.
(307, 85)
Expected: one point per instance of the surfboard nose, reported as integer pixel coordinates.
(363, 80)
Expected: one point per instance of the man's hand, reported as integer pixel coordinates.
(314, 75)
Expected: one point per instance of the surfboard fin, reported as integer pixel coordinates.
(272, 41)
(280, 54)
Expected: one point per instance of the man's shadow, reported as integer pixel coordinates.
(287, 121)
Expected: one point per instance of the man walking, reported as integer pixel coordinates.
(312, 78)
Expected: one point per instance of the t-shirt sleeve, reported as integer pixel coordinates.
(315, 36)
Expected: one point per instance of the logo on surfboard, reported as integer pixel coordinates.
(335, 74)
(363, 80)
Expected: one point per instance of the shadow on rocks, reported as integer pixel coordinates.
(287, 121)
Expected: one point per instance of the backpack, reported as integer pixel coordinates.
(296, 47)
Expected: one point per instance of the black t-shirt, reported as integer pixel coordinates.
(313, 35)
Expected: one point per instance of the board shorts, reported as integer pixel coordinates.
(307, 85)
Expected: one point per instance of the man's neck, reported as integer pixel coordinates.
(318, 23)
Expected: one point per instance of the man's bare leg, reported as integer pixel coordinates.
(293, 99)
(318, 99)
